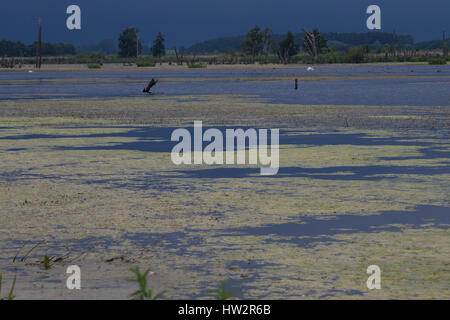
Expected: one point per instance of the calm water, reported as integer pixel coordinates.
(416, 85)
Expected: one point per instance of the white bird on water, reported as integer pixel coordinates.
(310, 69)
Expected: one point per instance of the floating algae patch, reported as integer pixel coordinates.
(49, 121)
(414, 264)
(220, 109)
(135, 159)
(112, 190)
(407, 117)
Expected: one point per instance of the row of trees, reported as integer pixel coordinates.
(131, 46)
(260, 42)
(19, 49)
(260, 45)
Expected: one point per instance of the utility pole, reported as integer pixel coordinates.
(386, 52)
(137, 43)
(39, 46)
(394, 43)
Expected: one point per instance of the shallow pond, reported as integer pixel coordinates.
(340, 85)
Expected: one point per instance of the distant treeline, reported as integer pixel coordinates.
(337, 41)
(19, 49)
(340, 41)
(431, 45)
(107, 46)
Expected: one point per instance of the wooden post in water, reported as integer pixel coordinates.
(296, 84)
(39, 46)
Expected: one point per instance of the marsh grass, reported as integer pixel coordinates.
(143, 293)
(196, 66)
(46, 263)
(417, 59)
(438, 61)
(222, 293)
(141, 64)
(94, 66)
(10, 295)
(346, 125)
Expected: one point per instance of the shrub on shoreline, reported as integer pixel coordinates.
(196, 66)
(141, 64)
(94, 66)
(438, 61)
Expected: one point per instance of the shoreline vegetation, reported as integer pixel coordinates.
(204, 61)
(259, 46)
(164, 66)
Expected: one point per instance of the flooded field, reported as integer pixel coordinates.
(414, 85)
(86, 175)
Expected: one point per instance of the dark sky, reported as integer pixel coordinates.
(184, 22)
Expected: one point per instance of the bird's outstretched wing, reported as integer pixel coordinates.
(150, 85)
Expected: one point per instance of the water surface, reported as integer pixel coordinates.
(404, 85)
